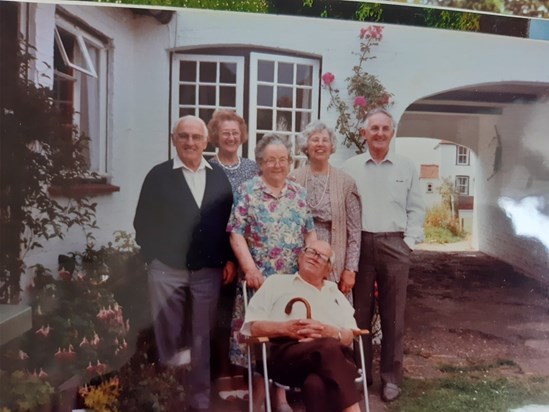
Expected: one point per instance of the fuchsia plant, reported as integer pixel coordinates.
(364, 90)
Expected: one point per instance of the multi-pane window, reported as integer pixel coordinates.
(283, 95)
(80, 87)
(206, 83)
(462, 185)
(462, 155)
(281, 91)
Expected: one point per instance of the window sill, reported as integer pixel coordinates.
(83, 190)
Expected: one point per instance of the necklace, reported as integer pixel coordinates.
(228, 167)
(312, 206)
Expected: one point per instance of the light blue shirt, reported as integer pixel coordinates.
(391, 197)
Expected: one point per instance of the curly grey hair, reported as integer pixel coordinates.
(316, 126)
(272, 138)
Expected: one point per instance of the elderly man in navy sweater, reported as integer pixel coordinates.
(180, 224)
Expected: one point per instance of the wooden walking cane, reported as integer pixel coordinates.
(290, 304)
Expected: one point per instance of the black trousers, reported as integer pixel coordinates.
(323, 368)
(385, 258)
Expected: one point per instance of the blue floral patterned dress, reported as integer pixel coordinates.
(274, 229)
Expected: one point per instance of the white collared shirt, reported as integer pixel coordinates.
(328, 305)
(392, 200)
(195, 179)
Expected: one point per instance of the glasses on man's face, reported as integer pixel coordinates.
(195, 138)
(309, 251)
(283, 161)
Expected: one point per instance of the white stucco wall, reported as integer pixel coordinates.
(411, 63)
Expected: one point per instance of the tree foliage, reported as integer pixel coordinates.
(37, 152)
(257, 6)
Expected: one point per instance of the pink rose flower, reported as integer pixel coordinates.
(328, 78)
(372, 32)
(360, 101)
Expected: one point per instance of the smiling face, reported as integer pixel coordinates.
(319, 147)
(275, 164)
(190, 141)
(230, 137)
(378, 134)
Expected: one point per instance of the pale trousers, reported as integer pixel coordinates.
(170, 292)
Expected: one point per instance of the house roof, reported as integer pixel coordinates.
(428, 172)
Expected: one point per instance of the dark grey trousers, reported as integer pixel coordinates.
(169, 290)
(385, 258)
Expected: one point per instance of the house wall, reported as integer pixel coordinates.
(411, 62)
(449, 167)
(523, 174)
(137, 117)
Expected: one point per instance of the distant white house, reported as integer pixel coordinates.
(128, 73)
(439, 160)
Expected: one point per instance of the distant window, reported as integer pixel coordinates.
(462, 156)
(430, 188)
(80, 87)
(462, 185)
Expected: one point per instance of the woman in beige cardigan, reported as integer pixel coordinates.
(334, 202)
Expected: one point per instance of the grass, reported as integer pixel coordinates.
(472, 389)
(441, 235)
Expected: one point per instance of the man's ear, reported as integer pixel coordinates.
(362, 132)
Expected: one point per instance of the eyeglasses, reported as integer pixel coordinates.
(226, 134)
(186, 136)
(283, 161)
(309, 251)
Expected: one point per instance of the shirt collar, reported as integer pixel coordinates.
(298, 278)
(388, 158)
(178, 164)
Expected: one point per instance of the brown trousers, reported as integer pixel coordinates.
(323, 368)
(385, 258)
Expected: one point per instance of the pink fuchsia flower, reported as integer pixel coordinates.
(372, 32)
(360, 101)
(328, 78)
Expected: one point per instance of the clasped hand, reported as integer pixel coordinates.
(305, 330)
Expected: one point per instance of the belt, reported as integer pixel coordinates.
(385, 234)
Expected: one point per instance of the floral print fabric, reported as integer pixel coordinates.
(274, 229)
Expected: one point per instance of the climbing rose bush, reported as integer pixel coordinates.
(364, 90)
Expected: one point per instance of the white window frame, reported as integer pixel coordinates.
(240, 65)
(100, 156)
(462, 156)
(254, 83)
(462, 185)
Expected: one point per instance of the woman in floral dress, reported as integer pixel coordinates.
(269, 224)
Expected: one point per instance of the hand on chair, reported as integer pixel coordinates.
(254, 278)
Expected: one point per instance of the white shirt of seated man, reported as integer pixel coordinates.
(331, 312)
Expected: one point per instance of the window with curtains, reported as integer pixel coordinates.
(80, 87)
(272, 91)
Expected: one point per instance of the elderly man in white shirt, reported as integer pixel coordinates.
(392, 222)
(311, 353)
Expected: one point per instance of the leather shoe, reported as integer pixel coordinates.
(390, 392)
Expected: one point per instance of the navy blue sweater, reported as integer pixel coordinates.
(170, 227)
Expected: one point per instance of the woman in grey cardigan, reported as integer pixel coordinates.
(334, 202)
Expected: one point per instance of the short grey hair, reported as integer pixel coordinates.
(377, 111)
(316, 126)
(187, 118)
(275, 139)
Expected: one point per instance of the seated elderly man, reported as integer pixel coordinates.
(313, 354)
